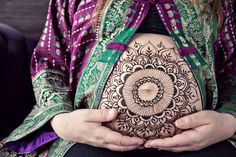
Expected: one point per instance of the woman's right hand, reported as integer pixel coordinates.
(85, 126)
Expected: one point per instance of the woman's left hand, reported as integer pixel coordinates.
(202, 129)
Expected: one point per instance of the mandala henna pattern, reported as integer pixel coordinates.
(151, 86)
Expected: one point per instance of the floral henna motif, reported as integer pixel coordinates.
(151, 86)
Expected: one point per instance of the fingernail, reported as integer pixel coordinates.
(140, 143)
(179, 122)
(148, 146)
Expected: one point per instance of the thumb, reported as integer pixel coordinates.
(101, 115)
(191, 121)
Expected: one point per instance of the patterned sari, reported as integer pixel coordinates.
(74, 59)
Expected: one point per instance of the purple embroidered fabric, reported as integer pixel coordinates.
(68, 35)
(30, 144)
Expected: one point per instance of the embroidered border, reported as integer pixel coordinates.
(52, 95)
(192, 21)
(112, 24)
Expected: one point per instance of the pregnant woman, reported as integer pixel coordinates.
(117, 78)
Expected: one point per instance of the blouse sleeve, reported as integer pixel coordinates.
(50, 77)
(225, 47)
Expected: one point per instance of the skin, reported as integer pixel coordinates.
(158, 51)
(85, 126)
(203, 129)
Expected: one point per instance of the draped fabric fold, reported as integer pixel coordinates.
(71, 52)
(50, 78)
(225, 47)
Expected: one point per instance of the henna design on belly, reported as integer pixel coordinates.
(151, 86)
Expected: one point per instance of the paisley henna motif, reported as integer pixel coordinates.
(151, 87)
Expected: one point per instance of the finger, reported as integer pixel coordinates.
(192, 120)
(186, 138)
(111, 137)
(98, 115)
(120, 148)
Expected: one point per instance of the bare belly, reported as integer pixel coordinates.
(151, 86)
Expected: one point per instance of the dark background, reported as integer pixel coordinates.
(16, 93)
(27, 16)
